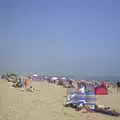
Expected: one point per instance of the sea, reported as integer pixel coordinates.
(99, 78)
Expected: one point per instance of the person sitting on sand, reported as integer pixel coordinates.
(28, 83)
(82, 89)
(20, 83)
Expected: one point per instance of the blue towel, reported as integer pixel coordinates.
(83, 98)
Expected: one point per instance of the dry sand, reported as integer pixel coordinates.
(46, 103)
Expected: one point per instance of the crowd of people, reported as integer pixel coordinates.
(84, 101)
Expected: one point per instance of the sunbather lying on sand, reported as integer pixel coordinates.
(106, 110)
(95, 108)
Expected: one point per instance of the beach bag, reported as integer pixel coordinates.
(92, 106)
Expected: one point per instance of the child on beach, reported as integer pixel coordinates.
(21, 82)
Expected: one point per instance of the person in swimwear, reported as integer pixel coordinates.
(28, 83)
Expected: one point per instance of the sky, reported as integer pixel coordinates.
(64, 37)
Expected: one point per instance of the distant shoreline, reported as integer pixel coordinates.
(99, 78)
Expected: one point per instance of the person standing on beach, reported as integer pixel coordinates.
(118, 83)
(118, 86)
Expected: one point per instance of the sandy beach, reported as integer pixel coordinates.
(46, 103)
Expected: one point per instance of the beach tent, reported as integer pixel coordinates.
(101, 90)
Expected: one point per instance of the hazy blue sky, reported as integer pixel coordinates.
(78, 37)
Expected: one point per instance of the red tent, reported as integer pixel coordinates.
(101, 90)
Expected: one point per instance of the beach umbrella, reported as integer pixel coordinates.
(35, 75)
(54, 78)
